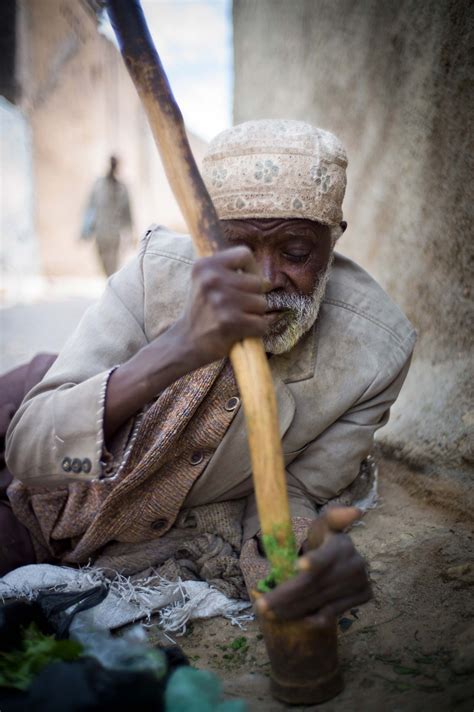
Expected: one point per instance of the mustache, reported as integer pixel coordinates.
(283, 301)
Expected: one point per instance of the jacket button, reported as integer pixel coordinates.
(159, 524)
(66, 464)
(86, 465)
(76, 465)
(196, 458)
(232, 404)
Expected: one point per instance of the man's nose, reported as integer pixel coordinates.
(272, 277)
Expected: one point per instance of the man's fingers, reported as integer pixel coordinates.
(274, 604)
(239, 257)
(234, 303)
(336, 608)
(333, 600)
(340, 518)
(318, 559)
(245, 282)
(332, 577)
(336, 519)
(300, 587)
(308, 592)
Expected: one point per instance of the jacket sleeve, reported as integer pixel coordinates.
(57, 433)
(331, 462)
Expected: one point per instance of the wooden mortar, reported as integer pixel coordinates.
(304, 662)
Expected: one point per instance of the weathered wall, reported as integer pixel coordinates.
(82, 107)
(394, 82)
(19, 254)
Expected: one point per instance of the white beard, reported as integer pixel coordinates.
(302, 312)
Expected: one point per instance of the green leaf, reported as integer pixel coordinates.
(19, 667)
(239, 643)
(280, 550)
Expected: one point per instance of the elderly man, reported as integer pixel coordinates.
(138, 420)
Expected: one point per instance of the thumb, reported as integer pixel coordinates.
(341, 518)
(336, 519)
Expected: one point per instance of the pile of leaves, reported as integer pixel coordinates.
(153, 680)
(19, 667)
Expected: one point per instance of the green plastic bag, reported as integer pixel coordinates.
(191, 690)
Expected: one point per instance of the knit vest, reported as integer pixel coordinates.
(175, 441)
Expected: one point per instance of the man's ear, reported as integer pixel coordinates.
(337, 231)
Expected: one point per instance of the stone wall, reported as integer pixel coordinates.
(394, 82)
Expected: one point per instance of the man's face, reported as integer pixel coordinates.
(294, 257)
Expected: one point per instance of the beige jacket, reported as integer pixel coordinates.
(334, 389)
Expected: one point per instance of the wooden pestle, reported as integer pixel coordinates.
(248, 357)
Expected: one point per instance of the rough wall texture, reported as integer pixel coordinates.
(395, 83)
(19, 254)
(82, 107)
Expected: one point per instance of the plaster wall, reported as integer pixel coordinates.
(19, 254)
(82, 107)
(395, 82)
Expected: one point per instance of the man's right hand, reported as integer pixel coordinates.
(226, 304)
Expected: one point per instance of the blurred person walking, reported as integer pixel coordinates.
(107, 218)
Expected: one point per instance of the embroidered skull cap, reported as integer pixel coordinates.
(276, 168)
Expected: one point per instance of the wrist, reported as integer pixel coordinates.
(143, 377)
(165, 359)
(185, 354)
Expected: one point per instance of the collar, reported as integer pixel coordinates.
(299, 364)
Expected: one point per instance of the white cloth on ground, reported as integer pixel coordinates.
(177, 602)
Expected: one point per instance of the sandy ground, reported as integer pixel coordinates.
(412, 647)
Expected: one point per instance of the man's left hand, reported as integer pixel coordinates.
(332, 574)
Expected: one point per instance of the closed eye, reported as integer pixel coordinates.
(294, 257)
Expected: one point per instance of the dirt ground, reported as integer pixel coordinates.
(412, 647)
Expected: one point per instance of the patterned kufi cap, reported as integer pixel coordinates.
(276, 169)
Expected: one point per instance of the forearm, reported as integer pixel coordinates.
(140, 379)
(225, 305)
